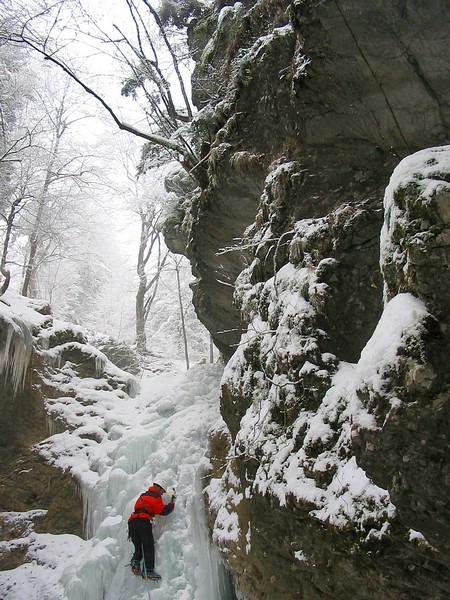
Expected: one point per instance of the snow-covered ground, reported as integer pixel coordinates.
(115, 450)
(117, 445)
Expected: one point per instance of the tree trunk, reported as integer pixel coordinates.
(183, 324)
(141, 338)
(147, 288)
(9, 225)
(211, 350)
(29, 269)
(35, 238)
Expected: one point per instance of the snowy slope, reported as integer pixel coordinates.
(115, 449)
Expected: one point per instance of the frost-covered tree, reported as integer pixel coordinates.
(45, 174)
(46, 177)
(148, 52)
(52, 221)
(173, 323)
(60, 174)
(15, 87)
(150, 254)
(16, 138)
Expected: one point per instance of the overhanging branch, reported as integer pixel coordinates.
(155, 139)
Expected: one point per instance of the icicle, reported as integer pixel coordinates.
(213, 582)
(44, 342)
(50, 426)
(89, 512)
(54, 426)
(133, 388)
(15, 353)
(99, 366)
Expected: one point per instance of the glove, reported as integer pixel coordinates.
(174, 494)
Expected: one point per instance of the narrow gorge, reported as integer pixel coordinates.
(316, 222)
(324, 282)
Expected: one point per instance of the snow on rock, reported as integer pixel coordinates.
(414, 237)
(46, 557)
(114, 437)
(223, 502)
(401, 318)
(309, 458)
(18, 317)
(35, 313)
(426, 169)
(115, 446)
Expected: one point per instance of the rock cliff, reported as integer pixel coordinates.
(319, 237)
(42, 362)
(329, 475)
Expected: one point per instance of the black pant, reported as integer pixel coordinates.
(141, 534)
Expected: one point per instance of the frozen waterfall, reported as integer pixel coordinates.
(115, 447)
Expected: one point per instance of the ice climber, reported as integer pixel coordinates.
(140, 532)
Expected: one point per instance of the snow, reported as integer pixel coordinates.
(427, 172)
(226, 11)
(348, 497)
(257, 53)
(401, 318)
(25, 309)
(311, 458)
(415, 535)
(15, 350)
(300, 556)
(118, 437)
(425, 168)
(115, 446)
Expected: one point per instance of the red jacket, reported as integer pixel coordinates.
(150, 504)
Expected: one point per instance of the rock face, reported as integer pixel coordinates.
(38, 359)
(414, 435)
(340, 91)
(47, 498)
(335, 396)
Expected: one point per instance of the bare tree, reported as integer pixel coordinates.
(176, 261)
(150, 247)
(9, 219)
(57, 167)
(140, 55)
(17, 199)
(15, 140)
(40, 177)
(173, 320)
